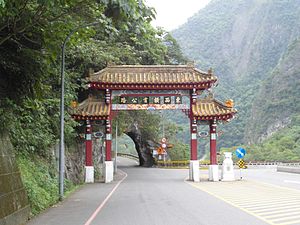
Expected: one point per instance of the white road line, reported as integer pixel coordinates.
(276, 215)
(270, 203)
(93, 216)
(258, 207)
(285, 219)
(291, 222)
(291, 181)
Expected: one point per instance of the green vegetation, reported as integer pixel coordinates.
(283, 146)
(40, 183)
(40, 180)
(253, 47)
(31, 35)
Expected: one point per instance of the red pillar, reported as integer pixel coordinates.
(213, 142)
(88, 145)
(108, 141)
(193, 124)
(194, 139)
(108, 136)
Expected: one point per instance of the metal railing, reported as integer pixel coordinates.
(186, 163)
(130, 156)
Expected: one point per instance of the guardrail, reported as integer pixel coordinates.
(273, 163)
(130, 156)
(290, 164)
(179, 164)
(186, 163)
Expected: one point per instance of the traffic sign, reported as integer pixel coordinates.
(241, 164)
(161, 151)
(240, 153)
(163, 140)
(163, 145)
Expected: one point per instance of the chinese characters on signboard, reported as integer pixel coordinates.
(151, 100)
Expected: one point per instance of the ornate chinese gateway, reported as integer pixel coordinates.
(141, 87)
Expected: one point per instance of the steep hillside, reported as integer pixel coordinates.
(239, 38)
(243, 41)
(278, 99)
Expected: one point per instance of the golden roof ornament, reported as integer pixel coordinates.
(74, 104)
(229, 103)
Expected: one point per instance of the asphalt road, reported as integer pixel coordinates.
(142, 196)
(161, 197)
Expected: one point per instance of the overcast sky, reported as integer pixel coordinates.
(173, 13)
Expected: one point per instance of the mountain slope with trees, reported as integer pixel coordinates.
(253, 48)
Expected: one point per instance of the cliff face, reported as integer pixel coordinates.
(14, 206)
(252, 46)
(277, 101)
(143, 147)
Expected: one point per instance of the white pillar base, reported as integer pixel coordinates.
(213, 171)
(108, 171)
(194, 171)
(89, 174)
(228, 177)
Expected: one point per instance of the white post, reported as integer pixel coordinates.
(108, 171)
(213, 172)
(194, 171)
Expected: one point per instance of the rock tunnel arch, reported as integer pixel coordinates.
(141, 87)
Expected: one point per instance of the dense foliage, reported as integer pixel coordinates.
(30, 39)
(31, 36)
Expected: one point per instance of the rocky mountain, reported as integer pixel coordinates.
(253, 47)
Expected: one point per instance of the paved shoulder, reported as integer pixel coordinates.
(270, 203)
(78, 207)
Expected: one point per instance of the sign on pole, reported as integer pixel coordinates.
(241, 164)
(240, 153)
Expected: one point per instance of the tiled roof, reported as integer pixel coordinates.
(212, 108)
(152, 74)
(91, 107)
(204, 109)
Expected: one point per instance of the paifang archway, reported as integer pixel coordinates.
(159, 87)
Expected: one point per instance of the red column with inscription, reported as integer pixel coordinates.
(194, 163)
(193, 123)
(213, 142)
(108, 127)
(88, 145)
(108, 140)
(193, 126)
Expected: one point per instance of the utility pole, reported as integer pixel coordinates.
(163, 124)
(62, 110)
